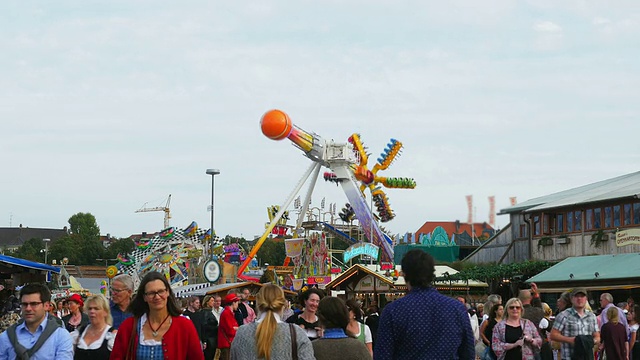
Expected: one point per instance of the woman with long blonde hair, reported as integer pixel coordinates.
(515, 337)
(269, 337)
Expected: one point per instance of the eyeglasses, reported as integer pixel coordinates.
(118, 291)
(514, 307)
(151, 294)
(33, 304)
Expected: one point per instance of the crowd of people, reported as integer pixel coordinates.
(149, 322)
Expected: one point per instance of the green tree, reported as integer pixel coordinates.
(32, 249)
(124, 245)
(85, 234)
(65, 246)
(272, 252)
(85, 226)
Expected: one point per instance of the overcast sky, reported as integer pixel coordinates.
(106, 106)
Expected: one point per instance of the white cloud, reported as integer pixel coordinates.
(547, 27)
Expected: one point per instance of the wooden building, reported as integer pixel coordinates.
(577, 222)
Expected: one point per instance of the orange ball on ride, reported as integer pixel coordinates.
(276, 124)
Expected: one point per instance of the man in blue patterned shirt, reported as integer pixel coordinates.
(424, 324)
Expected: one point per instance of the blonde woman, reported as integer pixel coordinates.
(546, 324)
(514, 337)
(269, 337)
(95, 340)
(614, 336)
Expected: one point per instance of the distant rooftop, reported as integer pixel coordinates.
(625, 186)
(16, 236)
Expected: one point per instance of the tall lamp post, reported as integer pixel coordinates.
(46, 249)
(213, 173)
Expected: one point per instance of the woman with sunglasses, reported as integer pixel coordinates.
(156, 330)
(515, 338)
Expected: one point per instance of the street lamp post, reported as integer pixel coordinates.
(46, 249)
(213, 173)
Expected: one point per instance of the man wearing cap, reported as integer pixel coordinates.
(228, 325)
(576, 327)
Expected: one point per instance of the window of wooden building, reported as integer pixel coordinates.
(610, 216)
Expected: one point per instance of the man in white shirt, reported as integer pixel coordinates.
(217, 308)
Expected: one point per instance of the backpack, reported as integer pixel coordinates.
(23, 353)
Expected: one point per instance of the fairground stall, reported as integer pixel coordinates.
(370, 285)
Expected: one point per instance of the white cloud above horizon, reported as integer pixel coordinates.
(108, 106)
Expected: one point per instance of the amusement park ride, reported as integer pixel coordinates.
(348, 165)
(174, 251)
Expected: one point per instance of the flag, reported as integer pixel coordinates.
(513, 200)
(470, 206)
(492, 211)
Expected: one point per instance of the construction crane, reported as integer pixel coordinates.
(167, 213)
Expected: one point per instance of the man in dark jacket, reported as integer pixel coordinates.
(372, 321)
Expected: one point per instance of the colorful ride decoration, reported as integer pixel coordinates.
(233, 254)
(281, 227)
(370, 179)
(123, 259)
(167, 233)
(191, 229)
(313, 260)
(103, 287)
(142, 243)
(112, 271)
(293, 247)
(170, 252)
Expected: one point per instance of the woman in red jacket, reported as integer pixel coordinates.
(228, 325)
(156, 330)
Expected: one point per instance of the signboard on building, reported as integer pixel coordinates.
(628, 237)
(361, 249)
(367, 284)
(319, 280)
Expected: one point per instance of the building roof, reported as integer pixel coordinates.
(591, 268)
(625, 186)
(440, 278)
(456, 227)
(16, 236)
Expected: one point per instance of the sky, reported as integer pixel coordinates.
(108, 107)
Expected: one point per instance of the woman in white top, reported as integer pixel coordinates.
(95, 341)
(356, 328)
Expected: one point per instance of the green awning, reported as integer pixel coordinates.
(592, 269)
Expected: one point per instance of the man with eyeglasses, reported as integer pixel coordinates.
(121, 291)
(39, 336)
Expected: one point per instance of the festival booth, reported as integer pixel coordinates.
(15, 272)
(369, 284)
(616, 274)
